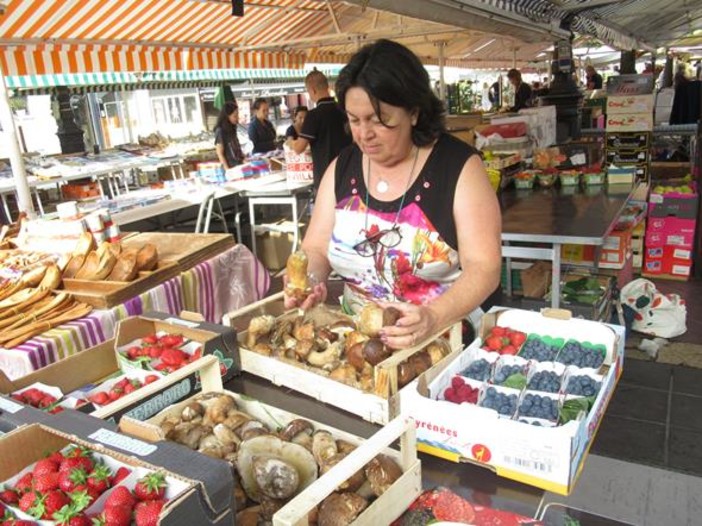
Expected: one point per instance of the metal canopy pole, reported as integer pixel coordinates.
(24, 195)
(442, 62)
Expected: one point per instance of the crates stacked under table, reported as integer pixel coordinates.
(670, 234)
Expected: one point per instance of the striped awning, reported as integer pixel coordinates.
(39, 37)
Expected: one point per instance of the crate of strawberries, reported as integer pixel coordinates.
(504, 340)
(48, 398)
(161, 351)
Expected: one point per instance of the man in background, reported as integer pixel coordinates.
(324, 128)
(522, 91)
(594, 79)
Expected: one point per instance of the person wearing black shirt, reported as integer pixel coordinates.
(261, 131)
(294, 129)
(226, 140)
(324, 128)
(594, 79)
(522, 90)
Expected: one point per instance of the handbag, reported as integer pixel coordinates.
(657, 314)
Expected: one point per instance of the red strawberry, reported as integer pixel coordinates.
(150, 487)
(161, 367)
(115, 393)
(46, 401)
(22, 522)
(122, 473)
(28, 500)
(121, 384)
(33, 396)
(69, 480)
(57, 409)
(9, 496)
(57, 457)
(19, 397)
(494, 343)
(517, 338)
(69, 516)
(171, 340)
(153, 352)
(146, 513)
(52, 502)
(151, 379)
(129, 388)
(508, 349)
(452, 508)
(46, 482)
(120, 496)
(150, 339)
(24, 483)
(172, 356)
(99, 398)
(117, 516)
(133, 352)
(70, 463)
(99, 479)
(44, 466)
(80, 499)
(498, 331)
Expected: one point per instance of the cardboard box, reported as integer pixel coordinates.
(617, 104)
(667, 268)
(274, 243)
(215, 339)
(629, 122)
(91, 367)
(625, 157)
(670, 231)
(383, 510)
(621, 175)
(675, 204)
(549, 458)
(669, 253)
(634, 140)
(80, 191)
(379, 406)
(613, 253)
(204, 485)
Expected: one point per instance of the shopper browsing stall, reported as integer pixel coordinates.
(522, 91)
(227, 144)
(299, 115)
(324, 129)
(594, 79)
(407, 213)
(261, 131)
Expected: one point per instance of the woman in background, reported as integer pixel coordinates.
(227, 144)
(261, 131)
(294, 129)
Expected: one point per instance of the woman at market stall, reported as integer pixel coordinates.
(227, 144)
(261, 130)
(299, 114)
(406, 214)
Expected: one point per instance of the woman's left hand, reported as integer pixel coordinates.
(418, 322)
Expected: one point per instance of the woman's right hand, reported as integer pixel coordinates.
(317, 295)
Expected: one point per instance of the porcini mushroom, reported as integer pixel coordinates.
(382, 472)
(340, 509)
(298, 431)
(258, 327)
(375, 351)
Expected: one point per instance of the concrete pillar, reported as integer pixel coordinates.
(627, 63)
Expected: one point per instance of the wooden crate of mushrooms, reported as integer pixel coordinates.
(290, 470)
(333, 357)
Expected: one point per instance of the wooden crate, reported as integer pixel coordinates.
(379, 407)
(108, 294)
(185, 250)
(385, 509)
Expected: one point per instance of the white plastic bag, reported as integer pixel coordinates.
(656, 314)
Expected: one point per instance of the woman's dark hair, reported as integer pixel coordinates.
(223, 118)
(257, 103)
(299, 109)
(391, 73)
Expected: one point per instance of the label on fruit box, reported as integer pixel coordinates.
(131, 445)
(525, 457)
(9, 406)
(184, 323)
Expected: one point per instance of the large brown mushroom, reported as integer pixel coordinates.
(323, 446)
(298, 431)
(345, 373)
(269, 466)
(354, 482)
(420, 362)
(375, 351)
(382, 472)
(258, 327)
(354, 355)
(340, 509)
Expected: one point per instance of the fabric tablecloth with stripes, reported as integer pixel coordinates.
(228, 281)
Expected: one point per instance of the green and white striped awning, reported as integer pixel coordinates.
(116, 81)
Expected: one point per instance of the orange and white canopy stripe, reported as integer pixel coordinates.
(75, 36)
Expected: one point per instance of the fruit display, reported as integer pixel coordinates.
(47, 398)
(580, 355)
(460, 392)
(478, 370)
(111, 391)
(108, 262)
(583, 385)
(443, 505)
(503, 402)
(539, 349)
(546, 381)
(163, 352)
(77, 486)
(539, 406)
(272, 466)
(326, 342)
(513, 375)
(504, 340)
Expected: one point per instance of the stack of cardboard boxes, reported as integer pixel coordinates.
(628, 133)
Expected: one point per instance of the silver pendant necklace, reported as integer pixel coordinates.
(382, 185)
